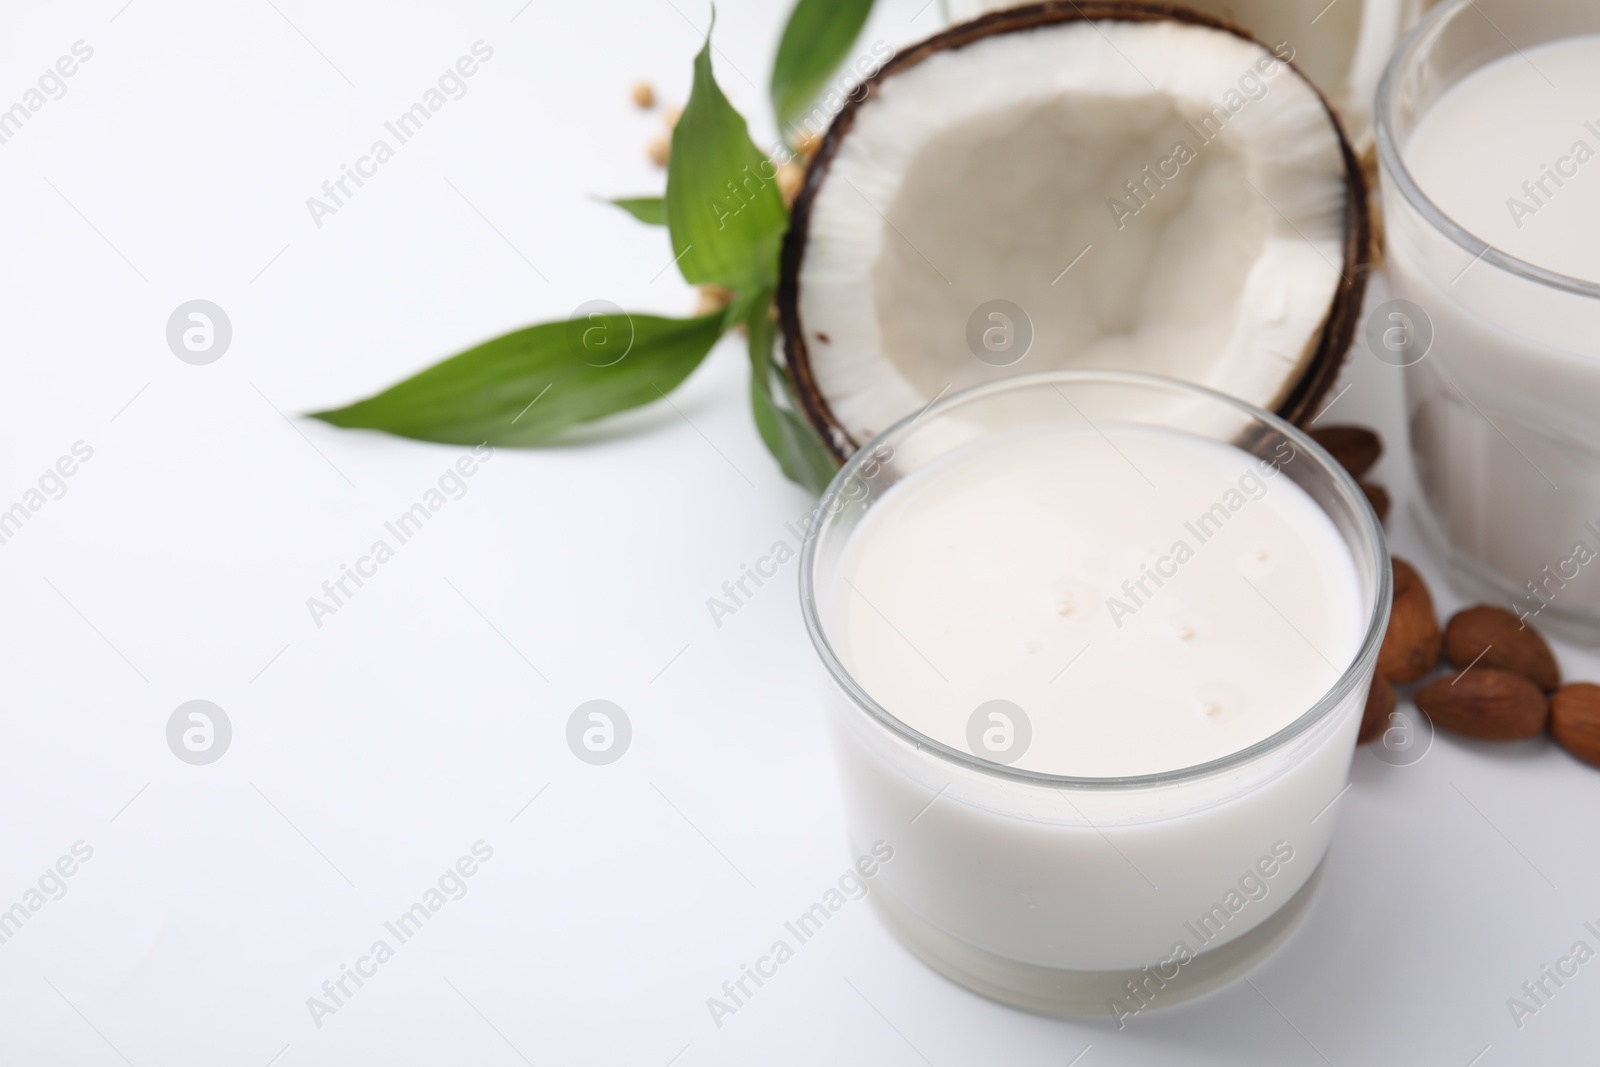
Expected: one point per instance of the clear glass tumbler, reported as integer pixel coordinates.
(1502, 357)
(1075, 895)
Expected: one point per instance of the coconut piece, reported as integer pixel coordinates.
(1141, 187)
(1342, 46)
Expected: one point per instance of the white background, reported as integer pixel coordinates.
(370, 753)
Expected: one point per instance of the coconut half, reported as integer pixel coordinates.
(1089, 185)
(1341, 46)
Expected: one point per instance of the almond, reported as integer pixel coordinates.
(1575, 720)
(1494, 637)
(1355, 447)
(1378, 497)
(1486, 702)
(1411, 645)
(1406, 577)
(1380, 705)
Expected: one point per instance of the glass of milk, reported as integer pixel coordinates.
(1095, 650)
(1489, 145)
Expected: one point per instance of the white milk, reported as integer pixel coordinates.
(997, 573)
(1512, 153)
(1161, 569)
(1505, 409)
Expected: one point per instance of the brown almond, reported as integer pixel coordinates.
(1406, 577)
(1494, 637)
(1411, 644)
(1575, 720)
(1378, 497)
(1380, 705)
(1355, 447)
(1486, 702)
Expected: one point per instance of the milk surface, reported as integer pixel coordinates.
(1512, 153)
(1151, 600)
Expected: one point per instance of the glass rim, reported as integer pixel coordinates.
(1370, 532)
(1393, 166)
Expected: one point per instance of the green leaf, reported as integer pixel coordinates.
(651, 210)
(815, 42)
(723, 207)
(798, 449)
(524, 387)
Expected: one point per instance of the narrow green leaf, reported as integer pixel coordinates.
(815, 42)
(524, 387)
(791, 440)
(651, 210)
(723, 208)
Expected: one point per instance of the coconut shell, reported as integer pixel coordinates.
(1303, 397)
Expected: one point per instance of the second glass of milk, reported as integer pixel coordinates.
(1095, 648)
(1489, 143)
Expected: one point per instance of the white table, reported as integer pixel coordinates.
(428, 711)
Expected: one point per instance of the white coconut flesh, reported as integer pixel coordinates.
(1342, 47)
(997, 171)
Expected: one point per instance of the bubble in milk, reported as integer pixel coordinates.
(1220, 701)
(1256, 562)
(1185, 626)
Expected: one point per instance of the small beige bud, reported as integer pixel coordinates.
(790, 178)
(713, 298)
(644, 96)
(806, 145)
(658, 148)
